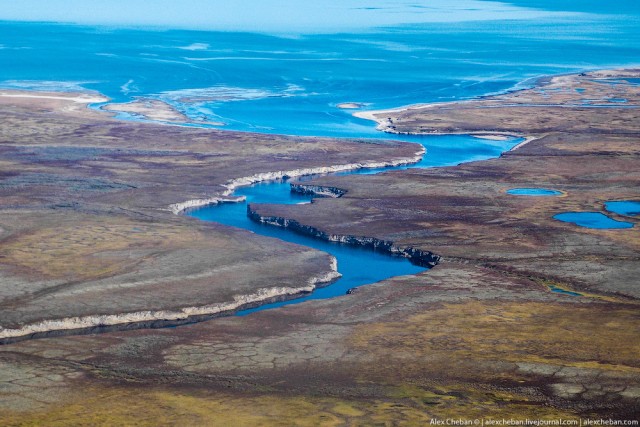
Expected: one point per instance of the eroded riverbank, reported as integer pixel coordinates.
(89, 240)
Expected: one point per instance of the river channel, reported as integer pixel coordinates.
(358, 265)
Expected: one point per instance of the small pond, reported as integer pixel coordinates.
(533, 192)
(592, 220)
(564, 291)
(623, 207)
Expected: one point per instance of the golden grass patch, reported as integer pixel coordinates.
(596, 336)
(120, 406)
(153, 407)
(88, 250)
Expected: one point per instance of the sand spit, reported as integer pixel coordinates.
(155, 110)
(351, 105)
(150, 109)
(80, 98)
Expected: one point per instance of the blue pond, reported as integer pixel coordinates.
(623, 207)
(592, 220)
(533, 192)
(565, 292)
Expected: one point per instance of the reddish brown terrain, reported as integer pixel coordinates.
(482, 335)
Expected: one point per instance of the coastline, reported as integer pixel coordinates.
(155, 111)
(527, 139)
(370, 115)
(232, 184)
(549, 142)
(520, 95)
(481, 309)
(86, 98)
(248, 180)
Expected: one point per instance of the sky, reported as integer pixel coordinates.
(262, 15)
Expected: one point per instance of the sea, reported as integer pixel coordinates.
(274, 75)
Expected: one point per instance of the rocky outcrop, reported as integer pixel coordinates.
(417, 256)
(318, 190)
(161, 318)
(231, 185)
(176, 208)
(270, 176)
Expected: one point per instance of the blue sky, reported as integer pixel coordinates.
(262, 15)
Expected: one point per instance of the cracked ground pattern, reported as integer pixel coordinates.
(305, 345)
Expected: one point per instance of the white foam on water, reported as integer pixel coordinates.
(226, 94)
(46, 85)
(195, 46)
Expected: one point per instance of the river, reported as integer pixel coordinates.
(358, 265)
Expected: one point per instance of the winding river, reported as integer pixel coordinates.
(358, 265)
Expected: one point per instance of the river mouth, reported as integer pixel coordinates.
(358, 265)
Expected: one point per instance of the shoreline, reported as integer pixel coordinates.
(527, 139)
(64, 105)
(235, 183)
(87, 97)
(181, 207)
(535, 81)
(530, 84)
(76, 325)
(136, 105)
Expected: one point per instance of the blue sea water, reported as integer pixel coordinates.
(292, 82)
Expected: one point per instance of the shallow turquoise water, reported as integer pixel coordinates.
(624, 207)
(536, 192)
(292, 83)
(592, 220)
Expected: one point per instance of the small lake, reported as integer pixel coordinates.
(536, 192)
(592, 220)
(564, 291)
(624, 207)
